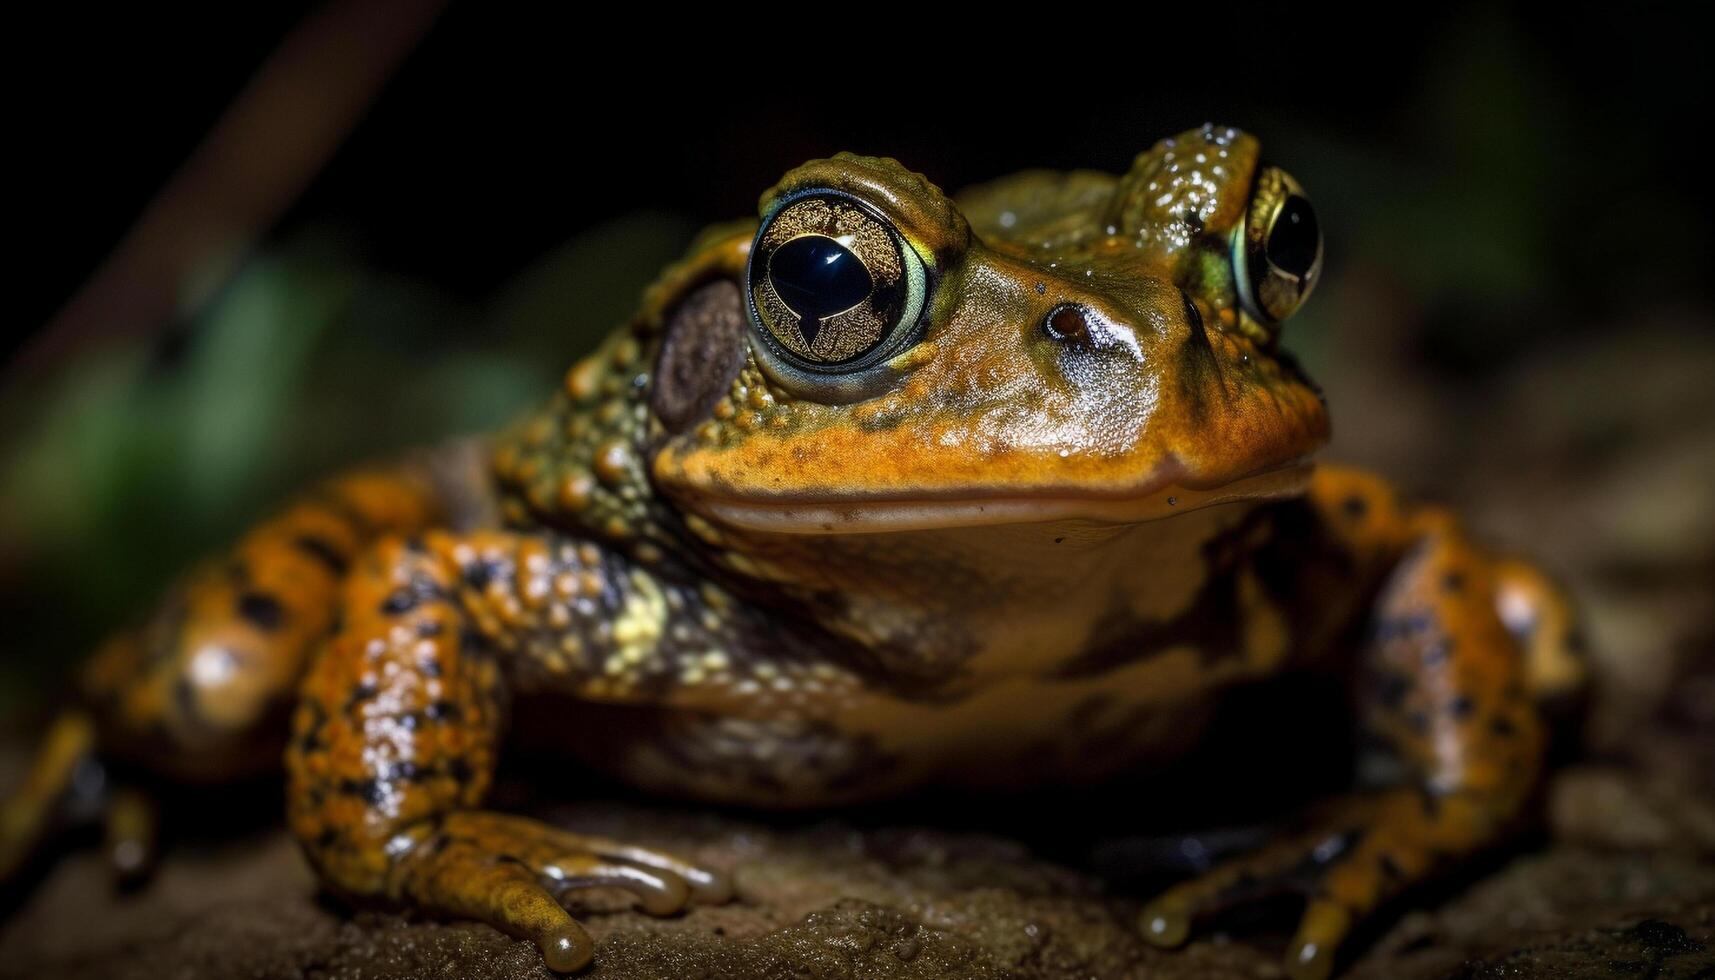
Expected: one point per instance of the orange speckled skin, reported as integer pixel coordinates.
(1070, 505)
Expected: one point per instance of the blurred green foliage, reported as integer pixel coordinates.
(133, 460)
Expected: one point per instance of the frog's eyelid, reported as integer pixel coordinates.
(879, 209)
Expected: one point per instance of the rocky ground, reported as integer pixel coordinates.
(1610, 489)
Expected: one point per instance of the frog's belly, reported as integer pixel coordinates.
(843, 758)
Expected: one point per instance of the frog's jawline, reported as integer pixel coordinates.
(877, 516)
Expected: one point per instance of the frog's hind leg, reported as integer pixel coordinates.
(1447, 700)
(201, 692)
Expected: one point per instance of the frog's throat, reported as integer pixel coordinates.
(1147, 502)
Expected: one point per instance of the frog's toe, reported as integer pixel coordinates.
(707, 885)
(130, 837)
(657, 892)
(515, 873)
(1168, 920)
(461, 881)
(1362, 851)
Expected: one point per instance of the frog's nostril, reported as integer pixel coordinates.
(1067, 324)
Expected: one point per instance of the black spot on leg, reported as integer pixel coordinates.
(422, 589)
(369, 790)
(478, 574)
(343, 509)
(1453, 583)
(1391, 688)
(1402, 627)
(1461, 706)
(400, 602)
(1503, 727)
(359, 694)
(1390, 867)
(1354, 507)
(322, 551)
(408, 772)
(443, 711)
(472, 642)
(261, 610)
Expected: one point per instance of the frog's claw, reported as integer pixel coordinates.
(513, 873)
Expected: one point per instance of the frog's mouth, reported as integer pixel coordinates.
(1151, 501)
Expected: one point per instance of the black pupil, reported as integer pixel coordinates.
(818, 277)
(1295, 238)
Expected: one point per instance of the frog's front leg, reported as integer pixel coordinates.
(395, 738)
(1445, 694)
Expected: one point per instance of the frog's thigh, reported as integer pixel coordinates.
(202, 690)
(1446, 695)
(395, 739)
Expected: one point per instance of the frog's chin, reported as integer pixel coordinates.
(1150, 503)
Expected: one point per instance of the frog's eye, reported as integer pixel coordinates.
(1277, 251)
(832, 285)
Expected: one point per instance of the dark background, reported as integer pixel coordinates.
(1495, 186)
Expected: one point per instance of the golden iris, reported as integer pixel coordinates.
(830, 282)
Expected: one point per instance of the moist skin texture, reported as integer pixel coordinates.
(1053, 498)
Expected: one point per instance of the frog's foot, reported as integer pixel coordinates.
(513, 874)
(1363, 850)
(53, 792)
(130, 835)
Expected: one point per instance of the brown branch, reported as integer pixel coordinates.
(272, 140)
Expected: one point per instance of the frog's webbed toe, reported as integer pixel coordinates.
(1358, 853)
(515, 873)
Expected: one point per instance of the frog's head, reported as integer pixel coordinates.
(876, 356)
